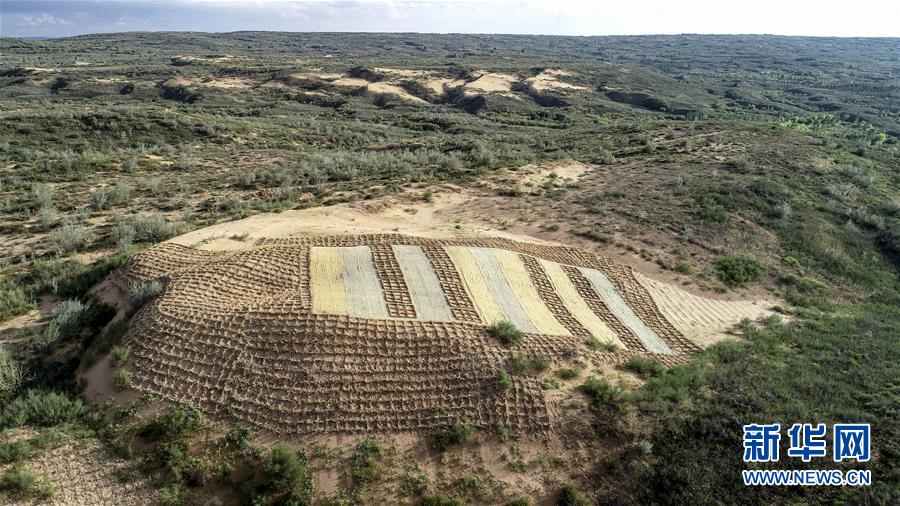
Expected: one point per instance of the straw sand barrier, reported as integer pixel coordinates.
(365, 298)
(327, 281)
(423, 284)
(479, 293)
(525, 292)
(607, 292)
(500, 289)
(576, 305)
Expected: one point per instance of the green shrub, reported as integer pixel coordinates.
(645, 367)
(506, 333)
(738, 270)
(68, 317)
(570, 496)
(122, 379)
(567, 373)
(14, 451)
(364, 464)
(518, 501)
(530, 364)
(118, 355)
(41, 195)
(178, 423)
(287, 471)
(236, 438)
(505, 381)
(439, 500)
(40, 408)
(455, 434)
(173, 495)
(603, 395)
(70, 238)
(21, 482)
(140, 293)
(12, 374)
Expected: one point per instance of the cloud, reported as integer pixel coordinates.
(42, 19)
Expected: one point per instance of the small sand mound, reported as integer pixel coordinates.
(380, 89)
(387, 333)
(490, 83)
(548, 80)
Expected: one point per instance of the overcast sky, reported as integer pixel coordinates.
(30, 18)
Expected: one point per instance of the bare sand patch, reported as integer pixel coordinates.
(442, 85)
(549, 80)
(382, 88)
(491, 82)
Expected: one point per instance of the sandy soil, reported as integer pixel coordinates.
(491, 82)
(393, 90)
(549, 80)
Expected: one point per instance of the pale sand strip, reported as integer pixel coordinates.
(520, 282)
(365, 298)
(620, 309)
(576, 305)
(326, 283)
(500, 289)
(703, 321)
(423, 284)
(475, 285)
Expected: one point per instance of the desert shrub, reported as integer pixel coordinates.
(287, 471)
(533, 364)
(510, 191)
(178, 423)
(504, 380)
(506, 333)
(41, 195)
(118, 355)
(68, 317)
(364, 464)
(140, 293)
(129, 164)
(48, 216)
(14, 451)
(439, 500)
(236, 438)
(570, 496)
(70, 237)
(567, 373)
(738, 270)
(122, 379)
(23, 483)
(645, 367)
(99, 199)
(604, 396)
(173, 495)
(40, 408)
(12, 374)
(454, 434)
(518, 501)
(153, 228)
(14, 301)
(414, 481)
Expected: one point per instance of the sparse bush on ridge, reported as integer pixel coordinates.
(140, 293)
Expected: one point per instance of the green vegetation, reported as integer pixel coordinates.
(22, 483)
(523, 364)
(456, 433)
(287, 473)
(506, 333)
(645, 367)
(738, 270)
